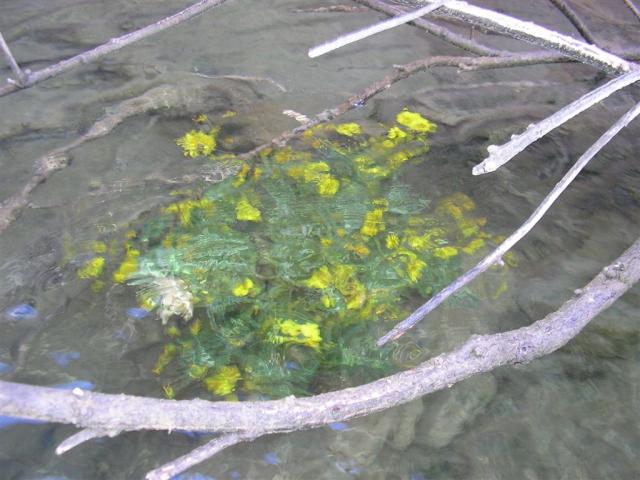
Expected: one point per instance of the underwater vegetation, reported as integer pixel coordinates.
(276, 280)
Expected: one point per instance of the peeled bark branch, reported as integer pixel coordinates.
(516, 236)
(499, 155)
(110, 46)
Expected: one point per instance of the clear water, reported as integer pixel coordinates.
(570, 415)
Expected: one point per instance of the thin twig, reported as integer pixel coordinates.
(575, 20)
(112, 45)
(78, 438)
(516, 236)
(21, 76)
(633, 8)
(331, 9)
(436, 30)
(199, 455)
(499, 155)
(352, 37)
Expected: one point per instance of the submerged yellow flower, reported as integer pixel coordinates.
(416, 122)
(473, 246)
(373, 223)
(396, 133)
(247, 212)
(321, 279)
(128, 266)
(184, 208)
(92, 268)
(414, 269)
(195, 143)
(328, 186)
(392, 241)
(243, 288)
(289, 331)
(445, 252)
(349, 129)
(224, 381)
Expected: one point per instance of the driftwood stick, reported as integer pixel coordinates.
(112, 45)
(575, 20)
(499, 155)
(199, 455)
(21, 76)
(516, 236)
(436, 30)
(79, 438)
(479, 354)
(343, 40)
(633, 8)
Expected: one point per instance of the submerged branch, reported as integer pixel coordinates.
(575, 20)
(358, 35)
(479, 354)
(499, 155)
(110, 46)
(516, 236)
(199, 455)
(442, 33)
(17, 71)
(633, 8)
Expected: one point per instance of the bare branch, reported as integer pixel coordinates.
(575, 20)
(436, 30)
(17, 71)
(633, 8)
(479, 354)
(499, 155)
(516, 236)
(79, 438)
(112, 45)
(343, 40)
(199, 455)
(331, 9)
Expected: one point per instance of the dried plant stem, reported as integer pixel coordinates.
(21, 76)
(516, 236)
(499, 155)
(111, 46)
(633, 8)
(575, 20)
(199, 455)
(373, 29)
(77, 439)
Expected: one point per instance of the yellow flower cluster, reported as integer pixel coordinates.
(92, 268)
(247, 212)
(373, 223)
(318, 173)
(344, 279)
(184, 208)
(291, 332)
(348, 129)
(196, 143)
(243, 288)
(416, 122)
(128, 266)
(224, 381)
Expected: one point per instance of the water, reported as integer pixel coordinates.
(570, 415)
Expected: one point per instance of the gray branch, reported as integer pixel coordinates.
(516, 236)
(499, 155)
(21, 76)
(110, 46)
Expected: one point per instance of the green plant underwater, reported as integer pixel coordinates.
(283, 274)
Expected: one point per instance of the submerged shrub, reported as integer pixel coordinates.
(286, 272)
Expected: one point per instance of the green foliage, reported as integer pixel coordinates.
(283, 274)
